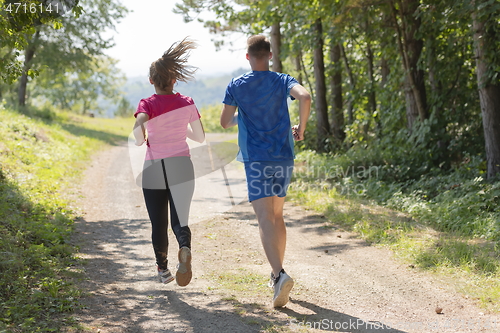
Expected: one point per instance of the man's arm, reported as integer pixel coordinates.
(139, 130)
(302, 95)
(229, 116)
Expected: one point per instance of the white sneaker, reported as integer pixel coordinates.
(282, 286)
(271, 281)
(165, 275)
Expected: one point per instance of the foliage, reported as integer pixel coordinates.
(451, 221)
(17, 21)
(40, 155)
(430, 165)
(63, 58)
(79, 90)
(205, 91)
(461, 202)
(375, 90)
(210, 117)
(124, 109)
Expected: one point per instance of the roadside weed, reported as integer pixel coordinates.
(40, 157)
(452, 230)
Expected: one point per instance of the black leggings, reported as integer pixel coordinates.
(168, 182)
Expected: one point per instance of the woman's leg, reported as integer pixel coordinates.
(180, 175)
(181, 229)
(157, 206)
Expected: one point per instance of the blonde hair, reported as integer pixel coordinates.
(173, 65)
(258, 46)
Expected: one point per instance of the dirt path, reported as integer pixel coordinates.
(342, 284)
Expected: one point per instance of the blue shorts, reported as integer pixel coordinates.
(268, 178)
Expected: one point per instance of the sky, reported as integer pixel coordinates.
(151, 27)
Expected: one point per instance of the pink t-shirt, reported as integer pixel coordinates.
(169, 116)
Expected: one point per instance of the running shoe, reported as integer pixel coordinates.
(271, 281)
(282, 286)
(184, 273)
(165, 275)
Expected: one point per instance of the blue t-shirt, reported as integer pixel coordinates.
(264, 130)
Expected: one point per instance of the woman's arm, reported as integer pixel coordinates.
(229, 116)
(139, 129)
(195, 131)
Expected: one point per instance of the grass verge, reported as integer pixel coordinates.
(470, 263)
(239, 287)
(41, 153)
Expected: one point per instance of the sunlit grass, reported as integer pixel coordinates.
(471, 265)
(42, 153)
(241, 281)
(210, 117)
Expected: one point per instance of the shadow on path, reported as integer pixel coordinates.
(329, 320)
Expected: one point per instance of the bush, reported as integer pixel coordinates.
(40, 155)
(210, 117)
(457, 200)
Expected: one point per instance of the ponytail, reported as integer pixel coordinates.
(173, 65)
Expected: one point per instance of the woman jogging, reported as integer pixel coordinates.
(163, 121)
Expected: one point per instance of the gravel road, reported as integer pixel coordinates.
(342, 283)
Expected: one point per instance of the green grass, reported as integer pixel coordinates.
(415, 232)
(237, 286)
(210, 117)
(241, 281)
(41, 154)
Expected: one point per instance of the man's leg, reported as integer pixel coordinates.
(269, 211)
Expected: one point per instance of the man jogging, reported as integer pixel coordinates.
(265, 139)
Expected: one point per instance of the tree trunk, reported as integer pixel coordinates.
(489, 93)
(372, 98)
(322, 126)
(337, 115)
(298, 67)
(384, 71)
(437, 94)
(434, 80)
(277, 65)
(411, 48)
(352, 81)
(306, 77)
(28, 57)
(23, 84)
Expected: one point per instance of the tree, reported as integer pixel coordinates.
(352, 84)
(81, 91)
(71, 46)
(322, 124)
(486, 31)
(407, 24)
(125, 109)
(407, 64)
(372, 99)
(29, 53)
(18, 21)
(277, 64)
(337, 113)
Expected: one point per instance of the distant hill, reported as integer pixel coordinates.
(206, 90)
